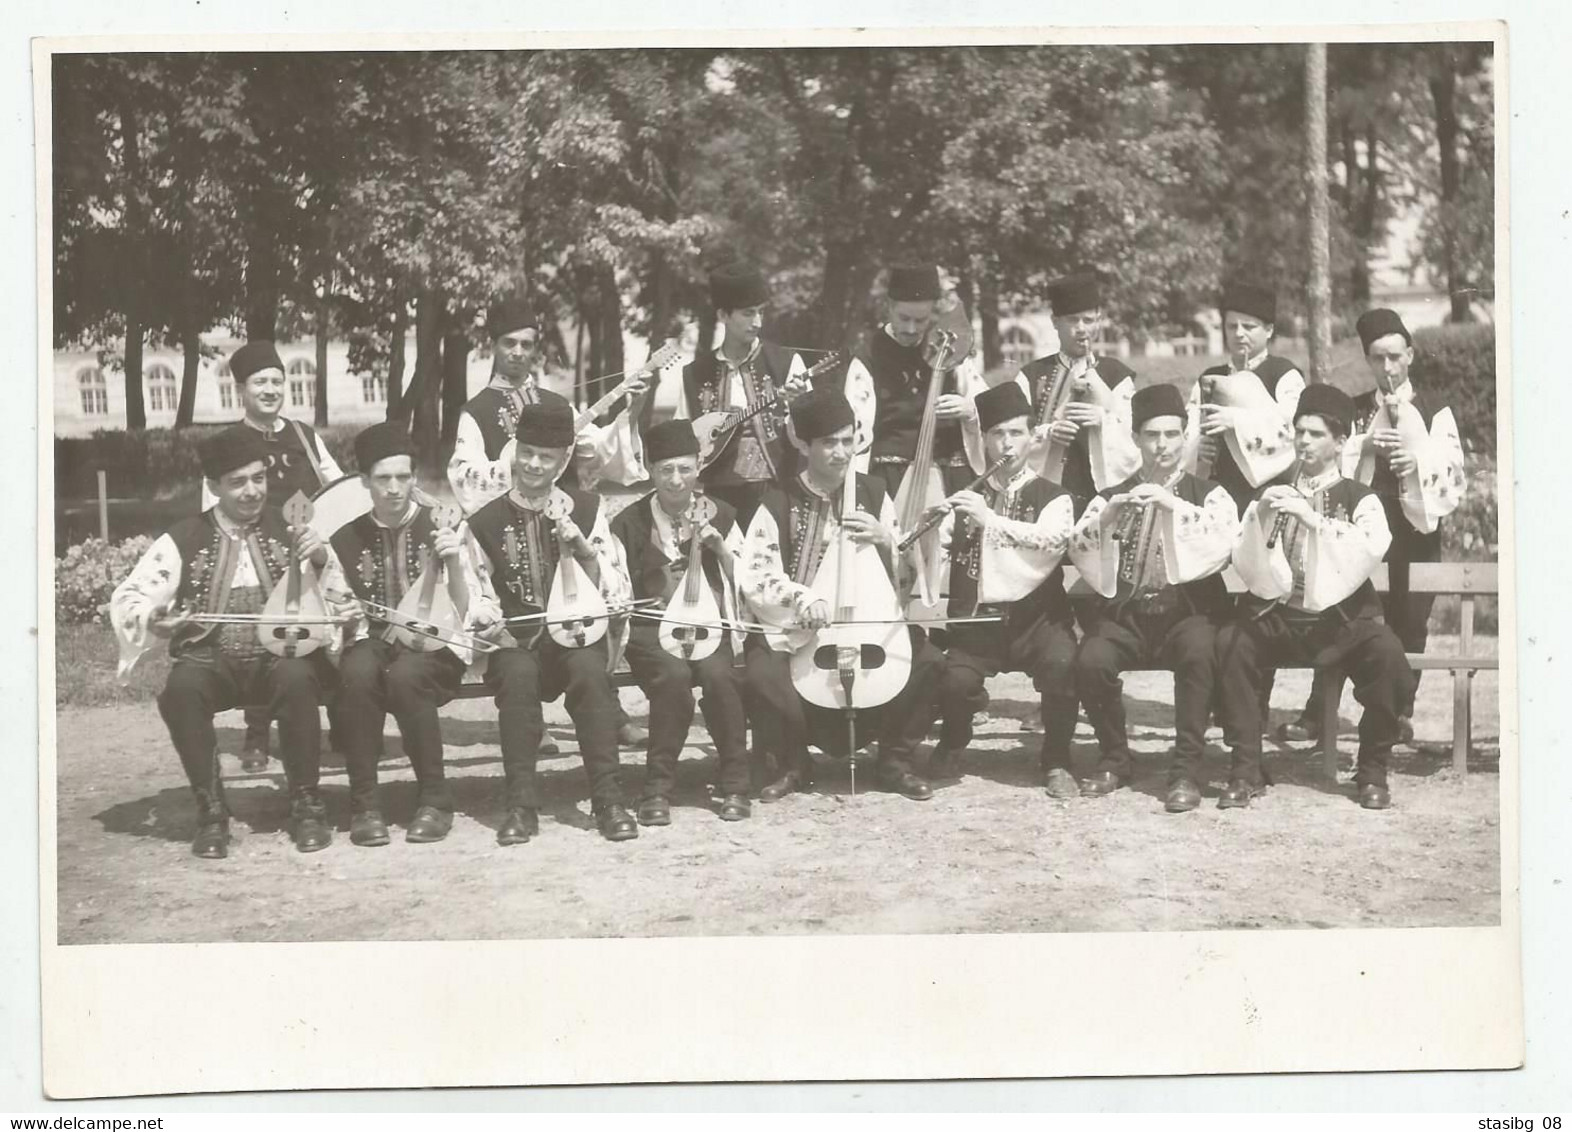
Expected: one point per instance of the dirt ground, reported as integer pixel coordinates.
(990, 853)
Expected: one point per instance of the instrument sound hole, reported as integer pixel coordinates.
(827, 657)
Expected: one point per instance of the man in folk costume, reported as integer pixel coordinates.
(1006, 543)
(379, 557)
(1100, 452)
(1252, 446)
(297, 460)
(514, 547)
(483, 450)
(1394, 467)
(744, 371)
(786, 542)
(1154, 548)
(227, 561)
(887, 386)
(650, 532)
(1310, 601)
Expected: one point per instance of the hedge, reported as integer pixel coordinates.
(143, 463)
(1455, 365)
(87, 574)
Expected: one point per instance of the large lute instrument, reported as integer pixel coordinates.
(690, 629)
(576, 613)
(428, 618)
(295, 621)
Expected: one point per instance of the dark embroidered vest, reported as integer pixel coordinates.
(492, 410)
(1225, 471)
(900, 380)
(382, 563)
(1025, 503)
(1040, 375)
(800, 516)
(208, 561)
(707, 386)
(653, 574)
(1408, 544)
(1338, 502)
(521, 546)
(1208, 595)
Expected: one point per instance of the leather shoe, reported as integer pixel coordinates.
(1405, 731)
(944, 763)
(788, 783)
(366, 827)
(912, 787)
(735, 807)
(615, 823)
(430, 824)
(1102, 783)
(1238, 795)
(522, 823)
(211, 840)
(1299, 731)
(253, 760)
(655, 811)
(632, 735)
(548, 747)
(1061, 783)
(1183, 796)
(1373, 797)
(308, 823)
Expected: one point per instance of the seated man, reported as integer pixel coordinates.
(1006, 544)
(656, 541)
(227, 561)
(514, 549)
(1154, 547)
(791, 528)
(382, 556)
(1306, 552)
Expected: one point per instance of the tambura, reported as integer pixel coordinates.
(342, 501)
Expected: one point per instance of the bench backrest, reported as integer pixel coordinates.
(1475, 578)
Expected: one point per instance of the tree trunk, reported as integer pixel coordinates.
(1320, 289)
(422, 399)
(136, 410)
(609, 312)
(324, 322)
(191, 351)
(1443, 91)
(988, 311)
(834, 314)
(396, 366)
(455, 384)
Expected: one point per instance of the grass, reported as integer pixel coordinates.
(85, 659)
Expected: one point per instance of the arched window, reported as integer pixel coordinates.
(161, 395)
(226, 386)
(1017, 345)
(302, 383)
(95, 395)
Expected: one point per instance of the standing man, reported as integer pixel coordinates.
(791, 528)
(1006, 544)
(1154, 548)
(514, 549)
(1252, 446)
(1306, 553)
(743, 372)
(656, 536)
(1419, 479)
(381, 555)
(483, 451)
(297, 460)
(227, 561)
(1095, 427)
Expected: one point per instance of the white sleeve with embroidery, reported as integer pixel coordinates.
(1340, 555)
(1265, 572)
(1441, 480)
(1111, 448)
(969, 382)
(1018, 556)
(1197, 541)
(865, 406)
(483, 602)
(614, 453)
(768, 593)
(330, 469)
(147, 590)
(474, 479)
(340, 599)
(1093, 551)
(1262, 440)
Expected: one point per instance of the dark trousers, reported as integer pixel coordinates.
(1044, 650)
(1179, 640)
(1364, 648)
(522, 679)
(376, 677)
(669, 681)
(787, 724)
(1408, 616)
(204, 682)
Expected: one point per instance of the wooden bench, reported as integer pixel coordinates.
(1467, 580)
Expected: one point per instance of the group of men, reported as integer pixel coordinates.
(1105, 482)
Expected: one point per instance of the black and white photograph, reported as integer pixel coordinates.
(828, 491)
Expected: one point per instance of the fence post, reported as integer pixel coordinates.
(103, 505)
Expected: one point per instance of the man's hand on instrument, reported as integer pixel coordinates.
(165, 622)
(1386, 439)
(1286, 501)
(817, 615)
(637, 386)
(795, 386)
(310, 545)
(1083, 414)
(447, 543)
(1154, 493)
(1401, 461)
(573, 538)
(487, 627)
(1218, 419)
(712, 540)
(1064, 430)
(864, 528)
(954, 407)
(972, 505)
